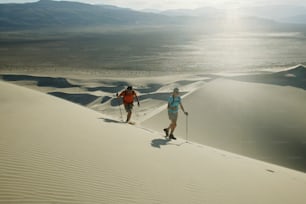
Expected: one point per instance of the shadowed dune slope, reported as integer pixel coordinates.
(263, 121)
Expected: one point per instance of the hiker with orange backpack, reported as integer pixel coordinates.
(128, 97)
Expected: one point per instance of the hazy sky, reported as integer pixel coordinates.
(175, 4)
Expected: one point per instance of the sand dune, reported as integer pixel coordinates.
(257, 115)
(293, 76)
(54, 151)
(259, 120)
(99, 92)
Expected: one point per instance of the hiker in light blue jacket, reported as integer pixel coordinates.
(174, 102)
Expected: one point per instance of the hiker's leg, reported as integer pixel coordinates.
(129, 116)
(170, 118)
(173, 119)
(128, 108)
(172, 126)
(171, 122)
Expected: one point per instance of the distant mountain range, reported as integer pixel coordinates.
(280, 13)
(48, 13)
(63, 13)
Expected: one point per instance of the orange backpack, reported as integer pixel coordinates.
(128, 97)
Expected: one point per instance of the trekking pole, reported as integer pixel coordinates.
(137, 111)
(186, 127)
(119, 107)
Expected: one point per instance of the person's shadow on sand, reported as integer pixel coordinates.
(107, 120)
(158, 142)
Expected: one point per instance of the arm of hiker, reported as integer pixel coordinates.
(182, 107)
(121, 94)
(136, 98)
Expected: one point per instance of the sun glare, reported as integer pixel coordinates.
(232, 21)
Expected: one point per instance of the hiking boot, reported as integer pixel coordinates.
(172, 137)
(166, 132)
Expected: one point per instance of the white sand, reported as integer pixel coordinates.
(262, 121)
(54, 151)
